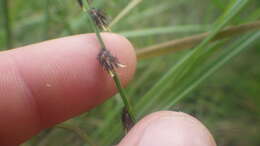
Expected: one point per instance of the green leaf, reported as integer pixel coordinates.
(184, 67)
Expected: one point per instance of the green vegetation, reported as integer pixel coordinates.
(215, 77)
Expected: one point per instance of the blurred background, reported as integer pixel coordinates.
(227, 102)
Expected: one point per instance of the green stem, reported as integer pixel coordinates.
(124, 96)
(125, 11)
(86, 7)
(7, 24)
(46, 20)
(78, 132)
(116, 79)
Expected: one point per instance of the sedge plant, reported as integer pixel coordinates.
(174, 76)
(107, 60)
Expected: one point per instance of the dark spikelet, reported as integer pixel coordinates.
(80, 3)
(99, 18)
(128, 123)
(107, 60)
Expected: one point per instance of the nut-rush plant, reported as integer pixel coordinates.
(185, 85)
(186, 65)
(98, 22)
(177, 79)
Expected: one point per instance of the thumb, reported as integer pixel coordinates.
(167, 128)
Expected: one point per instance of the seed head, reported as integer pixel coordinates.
(99, 18)
(128, 123)
(108, 61)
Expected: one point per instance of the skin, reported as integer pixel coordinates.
(46, 83)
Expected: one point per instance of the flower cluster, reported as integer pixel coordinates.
(108, 61)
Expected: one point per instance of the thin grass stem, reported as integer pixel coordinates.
(124, 97)
(7, 23)
(124, 12)
(78, 132)
(46, 20)
(115, 77)
(86, 7)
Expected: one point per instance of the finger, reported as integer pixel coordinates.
(46, 83)
(167, 128)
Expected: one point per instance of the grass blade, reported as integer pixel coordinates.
(189, 42)
(213, 67)
(7, 23)
(125, 11)
(182, 67)
(164, 30)
(46, 20)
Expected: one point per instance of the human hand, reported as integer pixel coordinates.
(47, 83)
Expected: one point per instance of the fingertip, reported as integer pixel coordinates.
(168, 128)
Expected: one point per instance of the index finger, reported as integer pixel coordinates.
(46, 83)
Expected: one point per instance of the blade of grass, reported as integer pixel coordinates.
(178, 85)
(211, 68)
(179, 70)
(7, 23)
(46, 20)
(78, 132)
(189, 42)
(150, 12)
(124, 12)
(164, 30)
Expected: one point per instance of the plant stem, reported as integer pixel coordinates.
(189, 42)
(86, 7)
(46, 20)
(7, 24)
(78, 132)
(124, 97)
(115, 77)
(125, 11)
